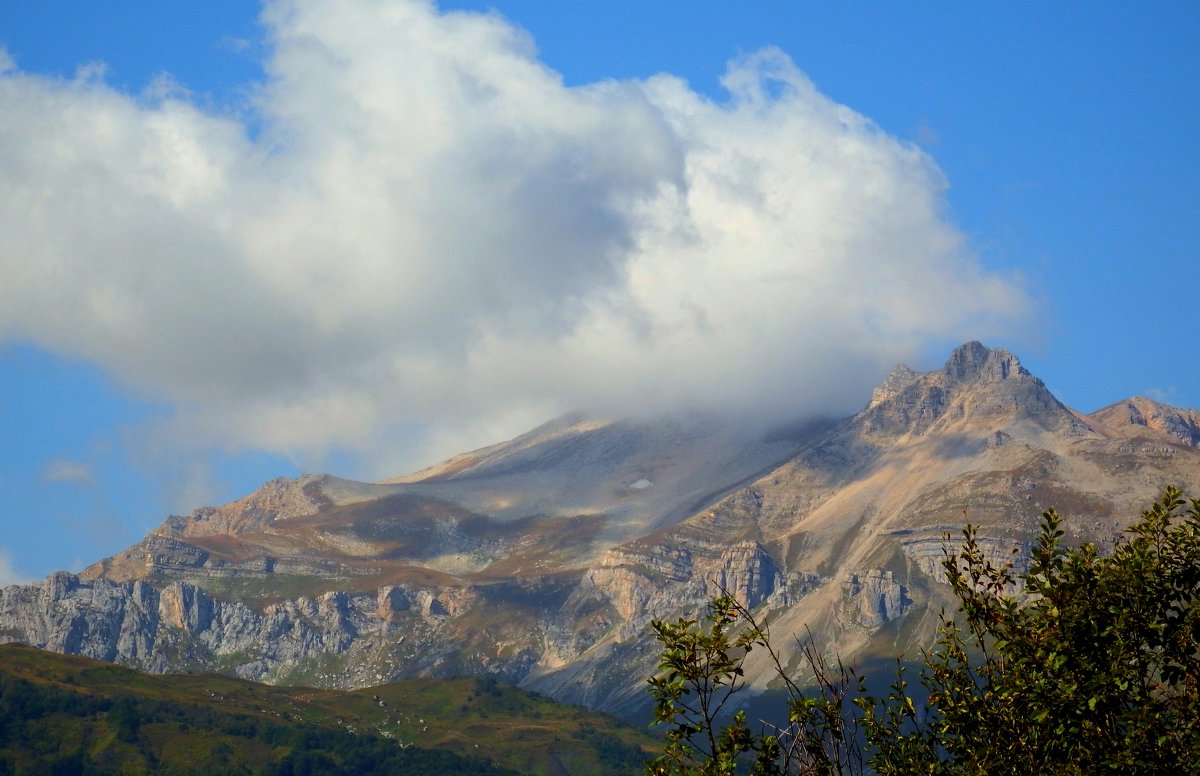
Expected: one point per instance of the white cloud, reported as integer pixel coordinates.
(428, 230)
(9, 575)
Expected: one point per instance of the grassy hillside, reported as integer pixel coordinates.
(66, 714)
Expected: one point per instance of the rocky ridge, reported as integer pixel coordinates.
(1142, 414)
(492, 562)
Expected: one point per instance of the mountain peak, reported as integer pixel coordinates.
(1140, 411)
(976, 362)
(975, 382)
(541, 560)
(897, 381)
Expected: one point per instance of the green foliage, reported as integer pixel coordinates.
(486, 684)
(701, 670)
(63, 713)
(123, 718)
(49, 729)
(1086, 664)
(1093, 668)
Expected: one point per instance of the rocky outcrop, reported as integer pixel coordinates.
(185, 608)
(182, 627)
(279, 499)
(1180, 425)
(873, 597)
(976, 382)
(648, 581)
(100, 620)
(390, 603)
(928, 553)
(898, 380)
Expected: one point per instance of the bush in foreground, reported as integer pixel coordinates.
(1093, 668)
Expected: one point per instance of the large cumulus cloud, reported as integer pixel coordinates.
(419, 238)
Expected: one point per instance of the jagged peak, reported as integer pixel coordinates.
(898, 379)
(974, 361)
(971, 362)
(967, 358)
(975, 381)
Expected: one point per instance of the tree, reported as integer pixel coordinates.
(701, 671)
(1092, 667)
(125, 718)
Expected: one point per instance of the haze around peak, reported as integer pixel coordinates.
(417, 239)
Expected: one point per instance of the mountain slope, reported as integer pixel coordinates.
(1139, 417)
(846, 539)
(543, 559)
(555, 498)
(54, 705)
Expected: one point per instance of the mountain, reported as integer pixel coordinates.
(551, 500)
(541, 560)
(68, 714)
(1133, 416)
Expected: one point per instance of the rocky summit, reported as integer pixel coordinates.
(541, 560)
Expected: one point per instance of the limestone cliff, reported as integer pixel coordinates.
(334, 639)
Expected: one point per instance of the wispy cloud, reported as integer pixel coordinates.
(1168, 395)
(236, 44)
(69, 471)
(427, 230)
(9, 575)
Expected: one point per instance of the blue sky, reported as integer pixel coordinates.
(356, 237)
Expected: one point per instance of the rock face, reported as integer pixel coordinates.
(1142, 414)
(642, 582)
(334, 637)
(278, 500)
(874, 597)
(64, 614)
(543, 559)
(975, 382)
(928, 554)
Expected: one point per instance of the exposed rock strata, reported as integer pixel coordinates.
(543, 559)
(1139, 413)
(182, 627)
(874, 597)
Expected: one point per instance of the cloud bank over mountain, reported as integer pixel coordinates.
(416, 225)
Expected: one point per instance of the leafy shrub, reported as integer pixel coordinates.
(1093, 668)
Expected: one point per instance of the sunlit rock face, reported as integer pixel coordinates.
(1140, 414)
(542, 560)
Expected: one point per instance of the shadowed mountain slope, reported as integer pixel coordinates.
(67, 714)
